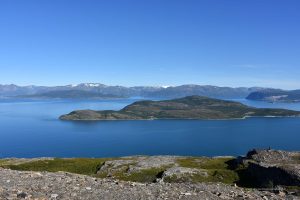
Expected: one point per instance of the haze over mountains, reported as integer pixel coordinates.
(71, 94)
(97, 90)
(121, 91)
(275, 95)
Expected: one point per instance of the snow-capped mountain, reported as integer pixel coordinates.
(142, 91)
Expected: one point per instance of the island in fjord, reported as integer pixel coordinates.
(191, 107)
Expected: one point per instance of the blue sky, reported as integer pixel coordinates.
(151, 42)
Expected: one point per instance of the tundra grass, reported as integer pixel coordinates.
(2, 162)
(217, 170)
(143, 176)
(296, 159)
(86, 166)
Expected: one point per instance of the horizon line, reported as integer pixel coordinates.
(119, 85)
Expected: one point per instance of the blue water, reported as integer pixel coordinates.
(31, 129)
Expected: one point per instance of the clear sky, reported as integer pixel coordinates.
(151, 42)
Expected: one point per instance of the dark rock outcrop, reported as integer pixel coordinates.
(271, 168)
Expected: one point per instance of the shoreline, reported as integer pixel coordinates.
(189, 119)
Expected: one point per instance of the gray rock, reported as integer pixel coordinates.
(136, 164)
(67, 186)
(113, 166)
(182, 172)
(152, 162)
(272, 167)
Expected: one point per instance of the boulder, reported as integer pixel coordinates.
(270, 168)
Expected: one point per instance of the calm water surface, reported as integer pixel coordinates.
(31, 129)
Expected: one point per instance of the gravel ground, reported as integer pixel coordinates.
(61, 185)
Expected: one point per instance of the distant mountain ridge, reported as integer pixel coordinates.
(142, 91)
(275, 95)
(71, 94)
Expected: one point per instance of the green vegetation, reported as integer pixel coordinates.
(293, 188)
(205, 163)
(200, 169)
(143, 176)
(217, 169)
(2, 162)
(214, 175)
(191, 107)
(296, 159)
(243, 171)
(87, 166)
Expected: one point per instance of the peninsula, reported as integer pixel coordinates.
(273, 95)
(190, 107)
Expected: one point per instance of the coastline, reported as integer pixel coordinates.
(229, 119)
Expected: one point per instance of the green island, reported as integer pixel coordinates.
(190, 107)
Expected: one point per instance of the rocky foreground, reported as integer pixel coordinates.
(274, 174)
(61, 185)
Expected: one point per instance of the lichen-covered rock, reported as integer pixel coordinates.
(113, 166)
(136, 164)
(152, 162)
(184, 173)
(274, 157)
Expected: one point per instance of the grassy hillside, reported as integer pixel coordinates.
(191, 107)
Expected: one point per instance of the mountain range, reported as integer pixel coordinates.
(275, 95)
(121, 91)
(70, 94)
